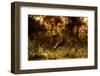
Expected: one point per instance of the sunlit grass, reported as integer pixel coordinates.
(42, 53)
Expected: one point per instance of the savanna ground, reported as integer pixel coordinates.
(57, 37)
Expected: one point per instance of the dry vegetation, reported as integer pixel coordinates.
(57, 37)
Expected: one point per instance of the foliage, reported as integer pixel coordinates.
(57, 37)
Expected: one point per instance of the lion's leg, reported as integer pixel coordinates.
(55, 46)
